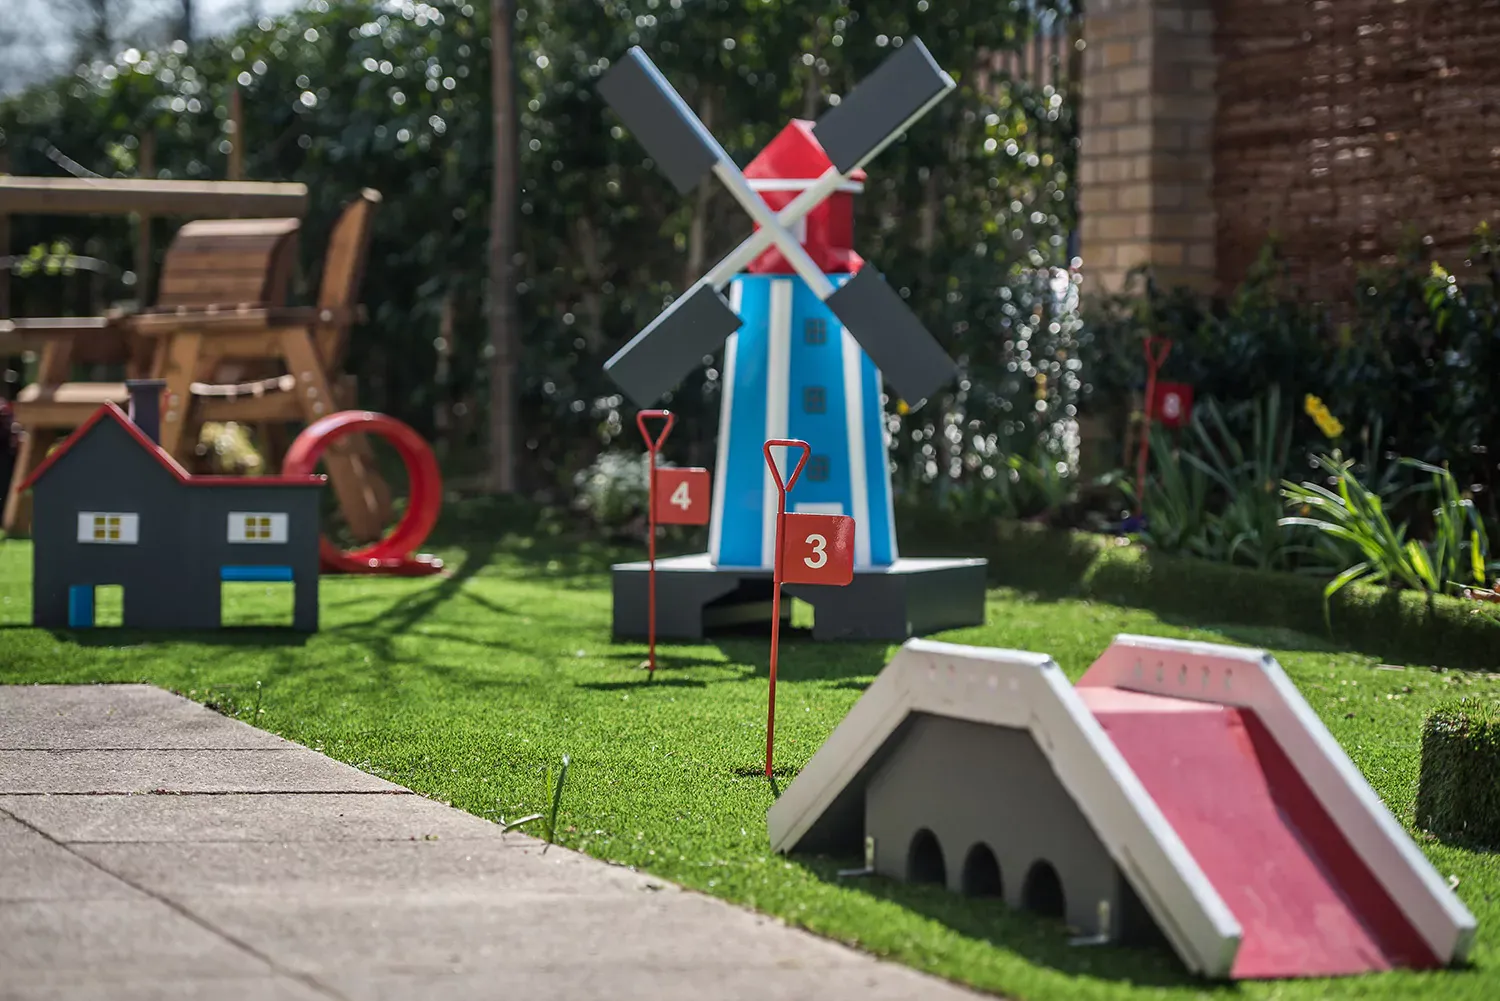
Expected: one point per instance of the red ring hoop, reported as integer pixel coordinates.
(394, 554)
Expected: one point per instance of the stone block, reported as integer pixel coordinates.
(1135, 197)
(1117, 227)
(1118, 111)
(1134, 139)
(1096, 199)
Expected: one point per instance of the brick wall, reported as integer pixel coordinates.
(1146, 160)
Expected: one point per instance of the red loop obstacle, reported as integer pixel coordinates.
(396, 553)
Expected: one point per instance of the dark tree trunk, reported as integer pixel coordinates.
(504, 314)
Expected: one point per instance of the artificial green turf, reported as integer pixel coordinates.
(470, 688)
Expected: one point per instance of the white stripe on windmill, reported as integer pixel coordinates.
(810, 329)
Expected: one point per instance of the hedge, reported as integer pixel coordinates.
(1457, 796)
(1393, 624)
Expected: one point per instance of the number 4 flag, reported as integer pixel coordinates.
(817, 549)
(682, 496)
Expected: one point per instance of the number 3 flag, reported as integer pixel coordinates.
(818, 549)
(682, 496)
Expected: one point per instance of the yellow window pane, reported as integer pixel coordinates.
(114, 533)
(98, 531)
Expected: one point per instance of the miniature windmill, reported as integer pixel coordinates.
(809, 329)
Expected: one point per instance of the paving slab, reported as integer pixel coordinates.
(247, 817)
(372, 932)
(451, 871)
(272, 988)
(638, 982)
(95, 717)
(33, 868)
(58, 942)
(295, 770)
(279, 873)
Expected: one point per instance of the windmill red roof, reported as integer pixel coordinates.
(795, 154)
(789, 164)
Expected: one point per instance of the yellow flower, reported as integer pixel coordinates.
(902, 408)
(1330, 425)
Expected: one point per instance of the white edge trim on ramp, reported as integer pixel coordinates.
(1026, 690)
(1252, 679)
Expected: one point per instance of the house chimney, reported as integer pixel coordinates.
(145, 406)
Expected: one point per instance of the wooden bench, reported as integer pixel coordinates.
(236, 261)
(229, 349)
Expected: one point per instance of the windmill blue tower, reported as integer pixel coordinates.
(810, 335)
(793, 371)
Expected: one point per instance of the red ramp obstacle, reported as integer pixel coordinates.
(1180, 791)
(396, 553)
(1307, 905)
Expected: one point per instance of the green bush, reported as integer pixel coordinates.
(1399, 625)
(1457, 795)
(1409, 361)
(612, 491)
(1458, 555)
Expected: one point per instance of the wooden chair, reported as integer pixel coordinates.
(209, 262)
(308, 345)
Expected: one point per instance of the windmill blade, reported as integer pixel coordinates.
(660, 120)
(907, 355)
(657, 358)
(882, 105)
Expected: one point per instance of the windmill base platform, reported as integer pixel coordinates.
(911, 597)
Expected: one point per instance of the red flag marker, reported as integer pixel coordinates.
(682, 500)
(810, 549)
(682, 496)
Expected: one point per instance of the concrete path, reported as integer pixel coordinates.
(152, 848)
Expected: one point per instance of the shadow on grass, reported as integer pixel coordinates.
(665, 661)
(806, 660)
(1039, 941)
(644, 683)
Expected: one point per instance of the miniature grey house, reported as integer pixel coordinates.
(1182, 792)
(113, 508)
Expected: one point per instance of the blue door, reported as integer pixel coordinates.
(81, 606)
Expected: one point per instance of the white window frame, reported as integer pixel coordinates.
(118, 528)
(257, 528)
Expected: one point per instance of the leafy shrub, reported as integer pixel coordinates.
(613, 491)
(1215, 497)
(1009, 487)
(1457, 796)
(1353, 514)
(1412, 341)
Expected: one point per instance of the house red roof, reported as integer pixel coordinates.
(171, 465)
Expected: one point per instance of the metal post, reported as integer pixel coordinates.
(146, 168)
(4, 244)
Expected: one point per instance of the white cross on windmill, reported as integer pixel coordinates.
(807, 345)
(852, 133)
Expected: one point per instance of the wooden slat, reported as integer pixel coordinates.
(240, 260)
(233, 230)
(202, 289)
(248, 409)
(121, 196)
(231, 320)
(91, 394)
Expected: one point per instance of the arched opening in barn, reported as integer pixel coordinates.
(924, 860)
(981, 876)
(1042, 893)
